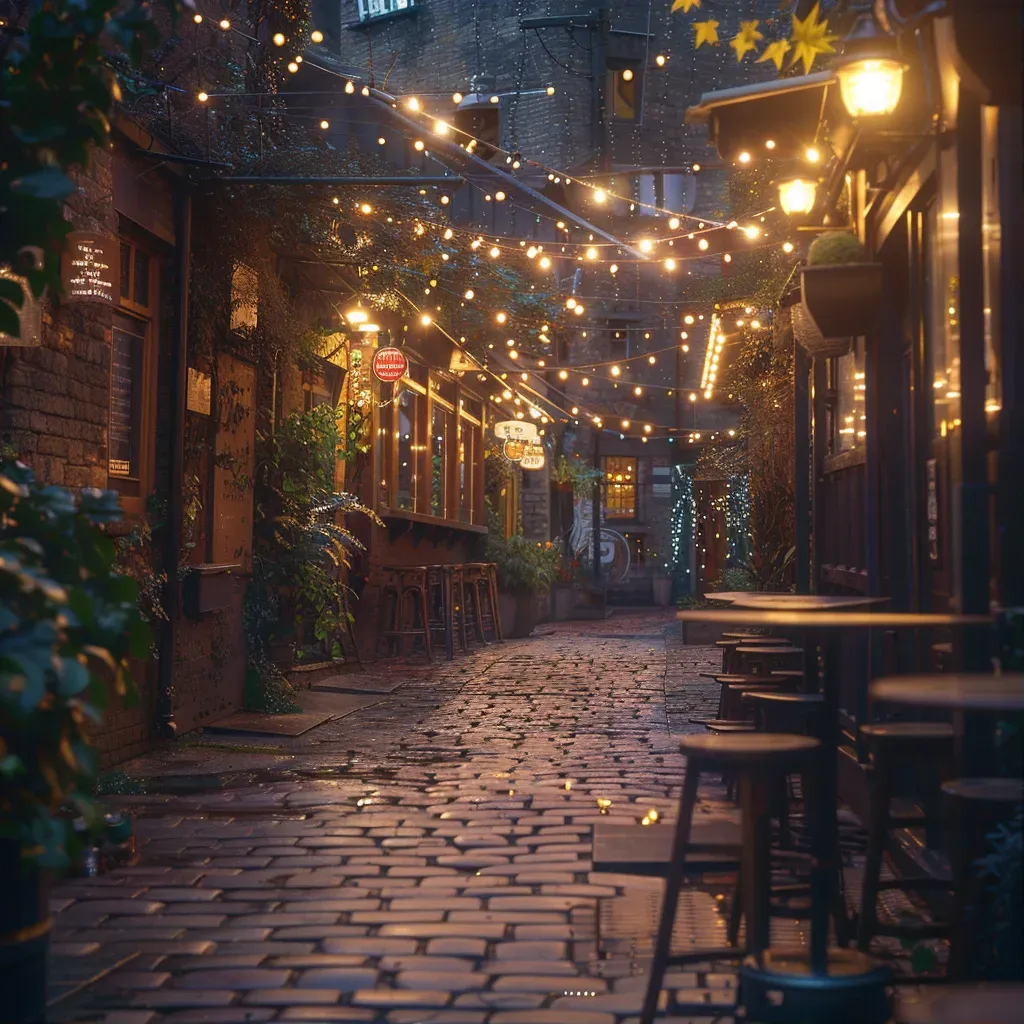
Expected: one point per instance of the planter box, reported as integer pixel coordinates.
(811, 340)
(518, 612)
(563, 599)
(842, 298)
(662, 588)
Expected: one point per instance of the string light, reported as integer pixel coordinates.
(202, 97)
(225, 24)
(325, 125)
(316, 36)
(278, 39)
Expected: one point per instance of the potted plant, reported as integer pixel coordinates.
(526, 571)
(68, 625)
(840, 286)
(571, 479)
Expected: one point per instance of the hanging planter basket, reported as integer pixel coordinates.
(811, 340)
(842, 298)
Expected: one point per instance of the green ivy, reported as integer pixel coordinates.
(68, 624)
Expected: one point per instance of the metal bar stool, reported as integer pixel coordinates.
(893, 746)
(403, 609)
(442, 600)
(756, 759)
(482, 581)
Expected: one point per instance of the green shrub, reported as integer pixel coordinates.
(523, 565)
(836, 247)
(68, 624)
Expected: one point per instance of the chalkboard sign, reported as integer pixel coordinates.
(91, 270)
(125, 402)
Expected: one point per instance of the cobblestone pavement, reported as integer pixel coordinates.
(426, 859)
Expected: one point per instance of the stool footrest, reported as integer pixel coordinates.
(917, 882)
(696, 956)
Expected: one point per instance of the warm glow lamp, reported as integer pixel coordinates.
(797, 195)
(870, 73)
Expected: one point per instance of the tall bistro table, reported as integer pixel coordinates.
(822, 625)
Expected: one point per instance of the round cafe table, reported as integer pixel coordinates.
(768, 601)
(965, 692)
(820, 625)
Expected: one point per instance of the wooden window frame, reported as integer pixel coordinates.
(386, 463)
(609, 514)
(135, 490)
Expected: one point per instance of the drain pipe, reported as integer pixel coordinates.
(166, 725)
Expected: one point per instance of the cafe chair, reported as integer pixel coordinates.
(403, 608)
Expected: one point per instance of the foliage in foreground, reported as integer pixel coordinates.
(68, 625)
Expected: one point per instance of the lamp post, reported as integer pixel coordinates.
(797, 195)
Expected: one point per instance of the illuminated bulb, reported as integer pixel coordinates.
(506, 395)
(614, 268)
(197, 18)
(279, 39)
(366, 208)
(686, 348)
(441, 127)
(578, 310)
(727, 258)
(457, 97)
(225, 24)
(615, 371)
(751, 231)
(703, 245)
(500, 196)
(695, 168)
(412, 103)
(651, 360)
(495, 252)
(673, 223)
(585, 382)
(470, 293)
(325, 125)
(298, 60)
(688, 319)
(511, 342)
(600, 195)
(670, 264)
(532, 252)
(693, 397)
(744, 157)
(563, 374)
(591, 253)
(445, 200)
(660, 60)
(203, 97)
(570, 303)
(740, 323)
(787, 247)
(545, 262)
(336, 200)
(769, 144)
(625, 424)
(495, 99)
(350, 88)
(575, 410)
(418, 145)
(316, 35)
(513, 354)
(365, 91)
(293, 66)
(501, 317)
(812, 155)
(381, 141)
(551, 90)
(638, 391)
(756, 324)
(645, 245)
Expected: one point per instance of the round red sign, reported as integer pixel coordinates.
(389, 364)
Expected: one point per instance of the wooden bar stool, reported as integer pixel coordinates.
(775, 711)
(403, 609)
(757, 760)
(727, 647)
(892, 747)
(765, 658)
(481, 579)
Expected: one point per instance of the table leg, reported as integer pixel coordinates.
(448, 610)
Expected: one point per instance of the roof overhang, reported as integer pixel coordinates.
(786, 111)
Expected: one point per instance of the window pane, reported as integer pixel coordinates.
(623, 94)
(851, 422)
(407, 427)
(126, 270)
(467, 442)
(385, 445)
(140, 282)
(125, 401)
(438, 462)
(620, 488)
(944, 281)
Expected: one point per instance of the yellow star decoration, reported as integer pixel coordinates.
(746, 39)
(775, 52)
(810, 37)
(707, 32)
(685, 5)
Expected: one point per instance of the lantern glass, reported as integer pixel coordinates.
(871, 87)
(797, 195)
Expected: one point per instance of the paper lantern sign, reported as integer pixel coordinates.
(90, 270)
(533, 457)
(516, 430)
(514, 450)
(389, 364)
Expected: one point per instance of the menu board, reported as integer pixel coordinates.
(91, 268)
(125, 380)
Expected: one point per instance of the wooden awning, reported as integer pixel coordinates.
(786, 111)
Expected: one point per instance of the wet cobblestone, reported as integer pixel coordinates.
(426, 859)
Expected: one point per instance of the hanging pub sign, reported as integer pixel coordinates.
(462, 362)
(533, 457)
(389, 364)
(516, 430)
(90, 269)
(514, 450)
